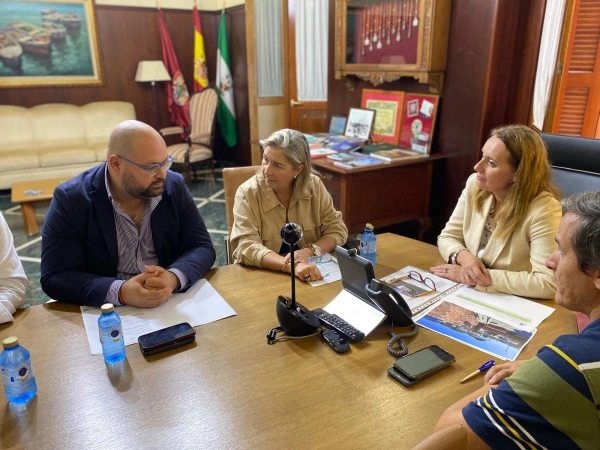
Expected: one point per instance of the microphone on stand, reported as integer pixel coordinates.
(294, 318)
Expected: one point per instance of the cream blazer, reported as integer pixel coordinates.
(516, 263)
(258, 218)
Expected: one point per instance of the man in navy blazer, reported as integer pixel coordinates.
(126, 231)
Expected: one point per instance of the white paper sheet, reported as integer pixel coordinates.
(330, 271)
(200, 304)
(356, 312)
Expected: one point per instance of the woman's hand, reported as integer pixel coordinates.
(300, 256)
(473, 271)
(307, 272)
(448, 271)
(498, 373)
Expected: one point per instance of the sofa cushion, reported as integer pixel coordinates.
(18, 160)
(58, 125)
(100, 150)
(62, 156)
(102, 117)
(15, 129)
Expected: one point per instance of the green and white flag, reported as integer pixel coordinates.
(226, 109)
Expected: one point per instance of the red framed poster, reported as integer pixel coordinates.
(388, 107)
(418, 121)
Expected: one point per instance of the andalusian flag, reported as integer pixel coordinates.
(200, 68)
(225, 110)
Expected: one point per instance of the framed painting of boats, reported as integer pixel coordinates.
(48, 43)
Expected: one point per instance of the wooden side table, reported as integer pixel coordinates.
(29, 194)
(382, 195)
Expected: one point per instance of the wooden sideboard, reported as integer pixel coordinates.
(382, 195)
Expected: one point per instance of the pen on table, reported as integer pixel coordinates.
(483, 368)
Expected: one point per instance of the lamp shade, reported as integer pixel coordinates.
(151, 71)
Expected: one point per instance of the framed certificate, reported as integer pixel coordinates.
(388, 106)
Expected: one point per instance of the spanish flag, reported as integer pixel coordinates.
(200, 68)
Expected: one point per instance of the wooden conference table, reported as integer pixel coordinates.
(230, 389)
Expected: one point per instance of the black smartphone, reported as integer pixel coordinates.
(167, 338)
(420, 363)
(403, 379)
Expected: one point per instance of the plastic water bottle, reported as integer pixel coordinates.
(111, 334)
(17, 373)
(368, 244)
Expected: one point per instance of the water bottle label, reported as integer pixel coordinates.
(115, 334)
(24, 372)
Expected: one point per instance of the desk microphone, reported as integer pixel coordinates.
(294, 318)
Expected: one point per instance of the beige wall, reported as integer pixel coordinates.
(202, 5)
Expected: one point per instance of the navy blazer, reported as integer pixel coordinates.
(79, 238)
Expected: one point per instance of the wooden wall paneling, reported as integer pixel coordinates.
(530, 26)
(459, 132)
(128, 35)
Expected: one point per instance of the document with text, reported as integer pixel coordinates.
(199, 305)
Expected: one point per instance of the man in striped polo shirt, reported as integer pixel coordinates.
(551, 401)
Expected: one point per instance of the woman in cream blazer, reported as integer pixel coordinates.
(503, 227)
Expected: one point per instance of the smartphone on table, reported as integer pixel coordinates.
(412, 368)
(166, 339)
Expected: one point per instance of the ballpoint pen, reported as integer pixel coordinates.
(483, 368)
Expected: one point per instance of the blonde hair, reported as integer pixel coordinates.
(296, 150)
(527, 153)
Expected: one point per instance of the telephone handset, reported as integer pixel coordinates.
(390, 301)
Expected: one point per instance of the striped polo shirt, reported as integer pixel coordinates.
(551, 402)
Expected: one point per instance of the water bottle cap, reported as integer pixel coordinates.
(10, 342)
(369, 226)
(107, 308)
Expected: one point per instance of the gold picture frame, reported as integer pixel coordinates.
(47, 43)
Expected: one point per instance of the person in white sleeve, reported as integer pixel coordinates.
(13, 282)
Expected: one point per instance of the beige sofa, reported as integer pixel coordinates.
(55, 140)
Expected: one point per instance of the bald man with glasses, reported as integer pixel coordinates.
(127, 231)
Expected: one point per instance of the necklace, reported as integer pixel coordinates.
(135, 218)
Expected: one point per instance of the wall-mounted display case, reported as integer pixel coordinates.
(382, 40)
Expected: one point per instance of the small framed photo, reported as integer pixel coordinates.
(337, 125)
(360, 123)
(412, 108)
(388, 107)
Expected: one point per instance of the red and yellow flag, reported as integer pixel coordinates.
(200, 68)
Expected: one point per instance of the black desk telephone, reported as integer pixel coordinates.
(390, 302)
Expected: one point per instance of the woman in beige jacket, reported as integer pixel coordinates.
(503, 227)
(285, 189)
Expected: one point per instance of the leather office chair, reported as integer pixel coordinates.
(575, 162)
(449, 438)
(198, 145)
(233, 177)
(576, 168)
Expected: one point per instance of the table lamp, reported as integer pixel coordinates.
(152, 71)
